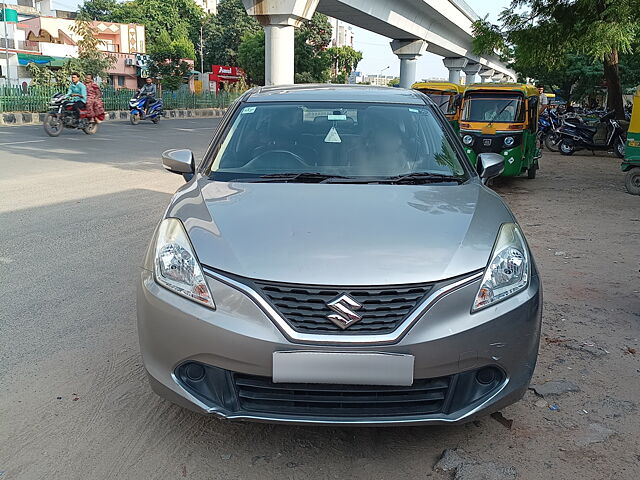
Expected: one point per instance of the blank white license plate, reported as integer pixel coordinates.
(343, 368)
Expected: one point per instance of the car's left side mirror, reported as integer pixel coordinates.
(179, 161)
(490, 165)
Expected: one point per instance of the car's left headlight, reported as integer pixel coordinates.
(508, 270)
(176, 265)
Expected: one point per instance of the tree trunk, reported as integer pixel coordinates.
(614, 86)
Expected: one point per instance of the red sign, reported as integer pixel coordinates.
(225, 71)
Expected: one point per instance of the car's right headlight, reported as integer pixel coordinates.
(176, 265)
(508, 270)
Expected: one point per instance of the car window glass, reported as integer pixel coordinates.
(483, 107)
(369, 140)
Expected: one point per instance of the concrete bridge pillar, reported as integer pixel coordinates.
(486, 74)
(470, 71)
(498, 77)
(455, 66)
(408, 52)
(279, 19)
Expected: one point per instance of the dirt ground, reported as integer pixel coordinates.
(83, 409)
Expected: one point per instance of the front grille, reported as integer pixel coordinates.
(305, 308)
(261, 395)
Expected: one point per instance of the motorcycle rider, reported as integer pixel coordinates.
(149, 91)
(77, 93)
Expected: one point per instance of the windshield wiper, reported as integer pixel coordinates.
(425, 177)
(302, 177)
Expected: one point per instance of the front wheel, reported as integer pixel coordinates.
(531, 171)
(52, 125)
(619, 147)
(567, 146)
(632, 181)
(135, 118)
(91, 129)
(552, 141)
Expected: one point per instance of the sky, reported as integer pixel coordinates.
(377, 55)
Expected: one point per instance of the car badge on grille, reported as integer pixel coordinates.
(345, 308)
(486, 142)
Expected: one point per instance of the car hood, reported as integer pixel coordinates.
(341, 234)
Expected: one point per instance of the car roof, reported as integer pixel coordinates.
(325, 92)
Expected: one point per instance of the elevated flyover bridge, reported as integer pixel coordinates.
(443, 27)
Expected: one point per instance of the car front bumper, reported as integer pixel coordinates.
(235, 343)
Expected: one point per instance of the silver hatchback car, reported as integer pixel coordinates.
(335, 259)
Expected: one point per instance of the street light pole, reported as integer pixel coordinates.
(201, 54)
(380, 73)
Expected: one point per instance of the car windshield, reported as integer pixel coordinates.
(444, 101)
(492, 107)
(321, 141)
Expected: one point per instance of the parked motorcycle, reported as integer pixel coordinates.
(548, 125)
(62, 115)
(607, 135)
(153, 111)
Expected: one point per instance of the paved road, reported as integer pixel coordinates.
(76, 213)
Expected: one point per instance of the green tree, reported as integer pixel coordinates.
(156, 15)
(167, 58)
(224, 32)
(43, 76)
(543, 32)
(91, 59)
(344, 60)
(251, 56)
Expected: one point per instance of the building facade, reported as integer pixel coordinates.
(51, 41)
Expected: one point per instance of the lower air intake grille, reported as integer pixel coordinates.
(260, 394)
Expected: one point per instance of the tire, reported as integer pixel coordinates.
(91, 129)
(52, 125)
(567, 146)
(134, 118)
(632, 181)
(531, 171)
(619, 147)
(156, 120)
(552, 142)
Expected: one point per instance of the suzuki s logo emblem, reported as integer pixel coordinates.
(345, 308)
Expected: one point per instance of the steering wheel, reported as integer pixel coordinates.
(297, 158)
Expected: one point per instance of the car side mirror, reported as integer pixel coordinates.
(490, 165)
(179, 161)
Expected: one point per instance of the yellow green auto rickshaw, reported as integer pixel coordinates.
(502, 118)
(631, 162)
(446, 95)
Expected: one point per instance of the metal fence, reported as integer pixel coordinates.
(36, 99)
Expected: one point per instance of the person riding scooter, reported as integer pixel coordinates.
(149, 91)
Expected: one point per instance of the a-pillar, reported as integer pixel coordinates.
(486, 74)
(408, 52)
(455, 66)
(279, 19)
(470, 72)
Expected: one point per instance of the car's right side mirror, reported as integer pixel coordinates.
(490, 165)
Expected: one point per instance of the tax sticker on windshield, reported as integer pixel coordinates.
(248, 110)
(336, 117)
(332, 136)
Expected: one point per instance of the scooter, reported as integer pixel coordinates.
(62, 115)
(153, 111)
(608, 135)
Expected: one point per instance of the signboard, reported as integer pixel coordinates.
(8, 15)
(225, 71)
